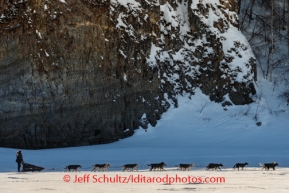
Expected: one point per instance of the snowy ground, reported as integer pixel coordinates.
(188, 134)
(249, 180)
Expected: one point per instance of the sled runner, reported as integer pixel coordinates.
(31, 168)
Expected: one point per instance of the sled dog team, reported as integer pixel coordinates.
(160, 166)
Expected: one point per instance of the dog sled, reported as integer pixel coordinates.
(31, 168)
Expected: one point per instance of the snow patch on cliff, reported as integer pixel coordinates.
(189, 40)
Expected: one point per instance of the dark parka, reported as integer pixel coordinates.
(19, 158)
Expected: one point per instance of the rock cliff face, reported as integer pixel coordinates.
(82, 72)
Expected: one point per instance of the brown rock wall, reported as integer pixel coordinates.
(73, 74)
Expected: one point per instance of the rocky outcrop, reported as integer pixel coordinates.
(88, 72)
